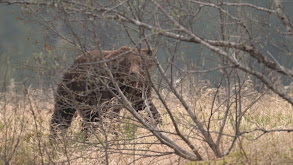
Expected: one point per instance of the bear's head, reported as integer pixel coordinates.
(134, 63)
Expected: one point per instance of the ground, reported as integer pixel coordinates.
(24, 130)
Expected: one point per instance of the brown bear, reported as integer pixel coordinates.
(86, 85)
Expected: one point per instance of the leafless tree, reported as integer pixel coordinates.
(230, 54)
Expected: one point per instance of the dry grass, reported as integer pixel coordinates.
(24, 130)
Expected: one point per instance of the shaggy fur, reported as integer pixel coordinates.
(86, 86)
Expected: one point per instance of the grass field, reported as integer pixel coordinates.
(24, 131)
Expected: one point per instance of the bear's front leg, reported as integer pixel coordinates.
(140, 105)
(61, 118)
(155, 113)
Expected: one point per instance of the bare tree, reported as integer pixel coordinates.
(231, 53)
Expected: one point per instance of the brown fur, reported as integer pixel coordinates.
(86, 85)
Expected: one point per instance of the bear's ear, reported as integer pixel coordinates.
(149, 52)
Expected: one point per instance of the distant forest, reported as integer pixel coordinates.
(24, 43)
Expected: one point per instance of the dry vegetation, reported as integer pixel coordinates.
(24, 124)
